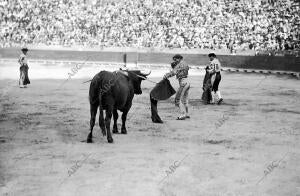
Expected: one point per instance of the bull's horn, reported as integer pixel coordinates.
(146, 74)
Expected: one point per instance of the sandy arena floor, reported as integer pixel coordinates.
(247, 146)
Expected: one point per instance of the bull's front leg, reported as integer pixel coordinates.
(107, 123)
(124, 117)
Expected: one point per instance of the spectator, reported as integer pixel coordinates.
(229, 24)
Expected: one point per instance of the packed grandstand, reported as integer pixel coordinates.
(214, 24)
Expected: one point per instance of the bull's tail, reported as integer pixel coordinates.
(93, 109)
(95, 97)
(94, 92)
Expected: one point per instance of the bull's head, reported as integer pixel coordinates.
(136, 77)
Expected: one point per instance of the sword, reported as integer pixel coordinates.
(135, 74)
(86, 81)
(138, 76)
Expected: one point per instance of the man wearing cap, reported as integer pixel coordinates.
(216, 69)
(180, 68)
(24, 80)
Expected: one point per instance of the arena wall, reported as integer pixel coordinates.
(284, 63)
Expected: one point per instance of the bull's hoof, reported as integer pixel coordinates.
(124, 131)
(103, 130)
(115, 130)
(89, 140)
(110, 140)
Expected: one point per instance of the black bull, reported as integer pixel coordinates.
(112, 91)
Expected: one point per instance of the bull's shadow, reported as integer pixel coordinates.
(113, 91)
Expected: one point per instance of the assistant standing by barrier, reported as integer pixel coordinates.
(216, 68)
(24, 80)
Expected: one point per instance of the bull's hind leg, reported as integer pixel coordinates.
(124, 117)
(93, 110)
(107, 123)
(101, 122)
(116, 116)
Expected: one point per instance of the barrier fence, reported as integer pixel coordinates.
(237, 63)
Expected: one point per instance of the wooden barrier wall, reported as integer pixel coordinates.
(280, 63)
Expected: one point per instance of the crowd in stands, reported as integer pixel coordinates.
(214, 24)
